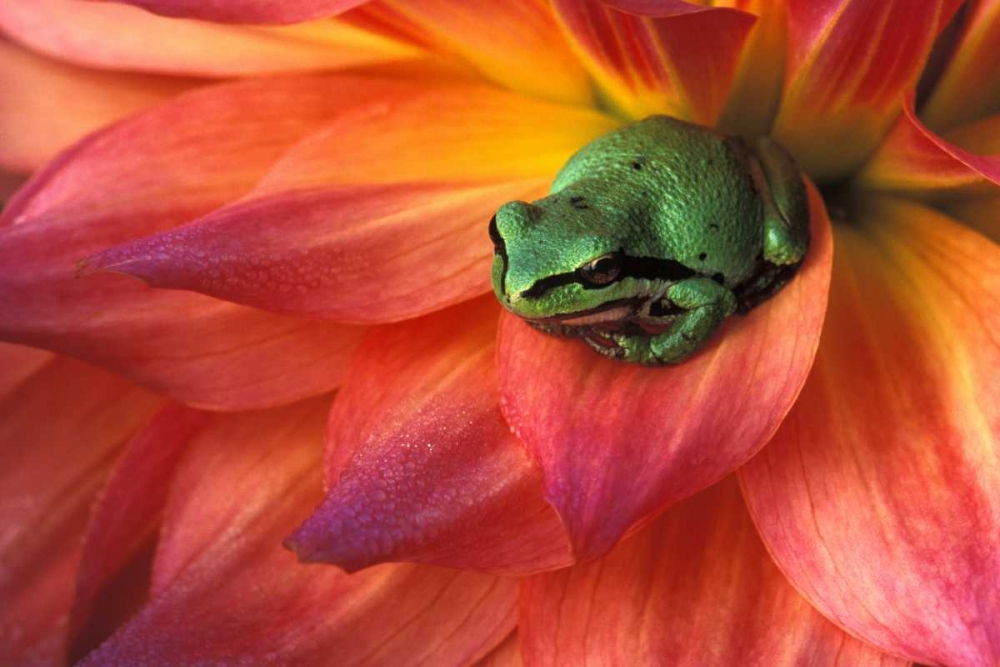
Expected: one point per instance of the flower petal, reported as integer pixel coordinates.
(306, 245)
(849, 63)
(514, 43)
(422, 465)
(969, 87)
(246, 11)
(226, 592)
(128, 509)
(154, 172)
(658, 56)
(913, 159)
(507, 654)
(91, 34)
(45, 106)
(981, 213)
(619, 442)
(695, 588)
(60, 430)
(878, 495)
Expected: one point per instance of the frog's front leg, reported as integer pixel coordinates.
(706, 304)
(786, 205)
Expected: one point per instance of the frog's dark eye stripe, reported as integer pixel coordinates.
(602, 270)
(649, 268)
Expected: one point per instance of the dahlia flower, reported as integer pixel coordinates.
(258, 405)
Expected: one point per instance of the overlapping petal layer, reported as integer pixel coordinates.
(45, 105)
(969, 88)
(421, 464)
(316, 239)
(246, 11)
(878, 495)
(618, 442)
(514, 43)
(170, 165)
(226, 592)
(982, 213)
(695, 588)
(507, 654)
(651, 57)
(61, 426)
(90, 34)
(915, 160)
(849, 63)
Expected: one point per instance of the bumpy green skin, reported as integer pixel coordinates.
(700, 225)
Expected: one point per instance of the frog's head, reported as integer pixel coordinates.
(559, 259)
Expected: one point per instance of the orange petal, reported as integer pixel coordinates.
(45, 106)
(153, 172)
(92, 34)
(913, 159)
(982, 213)
(969, 88)
(246, 11)
(695, 588)
(878, 495)
(618, 442)
(658, 57)
(226, 592)
(60, 430)
(849, 63)
(514, 43)
(508, 654)
(470, 498)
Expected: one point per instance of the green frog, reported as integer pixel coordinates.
(651, 236)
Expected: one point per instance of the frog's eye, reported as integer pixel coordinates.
(602, 270)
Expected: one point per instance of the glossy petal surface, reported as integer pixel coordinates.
(226, 592)
(915, 160)
(90, 34)
(154, 172)
(45, 105)
(620, 442)
(246, 11)
(658, 57)
(422, 466)
(878, 495)
(849, 63)
(61, 428)
(695, 589)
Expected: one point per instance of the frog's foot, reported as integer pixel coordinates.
(786, 218)
(706, 304)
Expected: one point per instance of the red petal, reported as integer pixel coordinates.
(878, 495)
(246, 11)
(969, 88)
(619, 442)
(507, 654)
(92, 34)
(849, 63)
(422, 465)
(226, 592)
(659, 56)
(914, 159)
(128, 510)
(60, 430)
(45, 106)
(514, 43)
(696, 588)
(151, 173)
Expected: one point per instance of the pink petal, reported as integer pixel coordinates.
(508, 654)
(618, 443)
(695, 588)
(226, 592)
(246, 11)
(914, 159)
(128, 509)
(310, 242)
(45, 106)
(969, 88)
(514, 43)
(151, 173)
(878, 495)
(61, 428)
(421, 464)
(659, 56)
(93, 34)
(850, 62)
